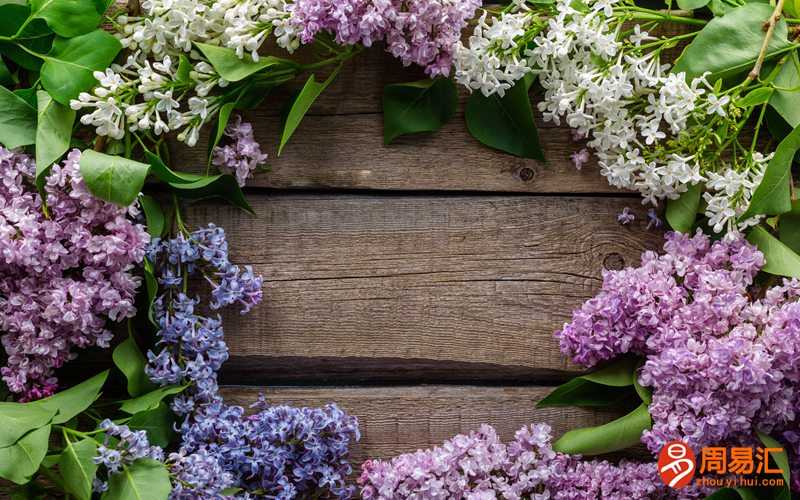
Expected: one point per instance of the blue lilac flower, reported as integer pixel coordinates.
(281, 450)
(128, 447)
(278, 452)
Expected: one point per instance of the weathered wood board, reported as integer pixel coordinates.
(363, 288)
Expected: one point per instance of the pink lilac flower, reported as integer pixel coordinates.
(579, 158)
(626, 216)
(721, 356)
(63, 274)
(423, 32)
(242, 155)
(479, 465)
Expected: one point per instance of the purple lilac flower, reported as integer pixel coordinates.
(575, 479)
(626, 216)
(62, 275)
(479, 465)
(422, 32)
(721, 362)
(242, 154)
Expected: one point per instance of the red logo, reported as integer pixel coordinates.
(676, 464)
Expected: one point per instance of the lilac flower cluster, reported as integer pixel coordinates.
(242, 154)
(193, 346)
(423, 32)
(63, 273)
(721, 362)
(129, 447)
(198, 475)
(479, 465)
(280, 451)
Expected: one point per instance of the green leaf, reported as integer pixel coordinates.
(505, 123)
(53, 133)
(158, 423)
(20, 461)
(150, 400)
(781, 260)
(154, 216)
(216, 186)
(781, 459)
(423, 106)
(197, 187)
(730, 44)
(68, 18)
(113, 178)
(6, 78)
(17, 121)
(78, 468)
(773, 195)
(131, 362)
(166, 174)
(223, 117)
(69, 67)
(152, 290)
(609, 386)
(17, 419)
(302, 103)
(145, 479)
(789, 227)
(184, 71)
(786, 98)
(74, 400)
(755, 97)
(232, 68)
(617, 435)
(681, 213)
(692, 4)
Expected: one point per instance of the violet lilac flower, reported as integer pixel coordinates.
(242, 154)
(422, 32)
(721, 356)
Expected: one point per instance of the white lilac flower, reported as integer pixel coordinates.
(496, 55)
(650, 130)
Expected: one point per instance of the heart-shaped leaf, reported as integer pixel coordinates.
(423, 106)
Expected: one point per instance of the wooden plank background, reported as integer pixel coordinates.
(418, 285)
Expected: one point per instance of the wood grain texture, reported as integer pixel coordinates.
(393, 288)
(399, 420)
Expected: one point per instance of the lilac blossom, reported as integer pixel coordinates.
(422, 32)
(65, 272)
(128, 447)
(626, 216)
(580, 158)
(279, 451)
(479, 465)
(721, 355)
(242, 155)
